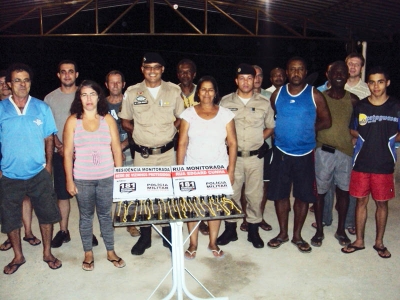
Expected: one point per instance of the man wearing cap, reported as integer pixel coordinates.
(154, 106)
(254, 122)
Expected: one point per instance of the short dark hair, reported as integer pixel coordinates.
(298, 58)
(69, 62)
(337, 63)
(188, 62)
(76, 106)
(3, 73)
(115, 72)
(379, 70)
(211, 79)
(19, 67)
(356, 55)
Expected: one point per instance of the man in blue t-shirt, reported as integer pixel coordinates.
(26, 136)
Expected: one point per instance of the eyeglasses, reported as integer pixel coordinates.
(17, 80)
(150, 68)
(91, 95)
(3, 83)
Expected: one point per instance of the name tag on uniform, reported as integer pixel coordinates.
(233, 108)
(140, 100)
(163, 103)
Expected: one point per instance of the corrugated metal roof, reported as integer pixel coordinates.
(357, 19)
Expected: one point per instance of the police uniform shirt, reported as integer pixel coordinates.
(153, 118)
(250, 119)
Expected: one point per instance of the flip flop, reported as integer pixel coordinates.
(265, 226)
(351, 230)
(10, 265)
(90, 266)
(52, 261)
(5, 245)
(217, 253)
(276, 242)
(343, 240)
(117, 261)
(379, 250)
(301, 245)
(32, 239)
(191, 256)
(316, 241)
(244, 226)
(351, 247)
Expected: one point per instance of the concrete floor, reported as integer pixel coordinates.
(244, 273)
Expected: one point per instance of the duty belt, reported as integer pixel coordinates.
(247, 153)
(146, 151)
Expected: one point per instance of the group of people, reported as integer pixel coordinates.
(290, 137)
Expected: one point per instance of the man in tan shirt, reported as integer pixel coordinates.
(254, 122)
(154, 106)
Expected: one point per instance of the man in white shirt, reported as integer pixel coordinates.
(278, 78)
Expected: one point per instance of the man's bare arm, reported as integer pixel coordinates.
(127, 125)
(49, 148)
(324, 120)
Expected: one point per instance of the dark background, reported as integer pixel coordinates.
(217, 56)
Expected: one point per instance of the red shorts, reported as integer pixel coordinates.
(381, 186)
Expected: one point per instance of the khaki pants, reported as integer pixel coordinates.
(249, 170)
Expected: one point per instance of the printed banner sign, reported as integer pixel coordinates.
(200, 180)
(140, 183)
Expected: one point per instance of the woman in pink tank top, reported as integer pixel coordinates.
(91, 150)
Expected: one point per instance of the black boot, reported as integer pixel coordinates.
(254, 237)
(229, 235)
(144, 242)
(166, 231)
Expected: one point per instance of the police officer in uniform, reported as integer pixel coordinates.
(154, 106)
(254, 122)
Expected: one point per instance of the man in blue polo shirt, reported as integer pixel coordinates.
(26, 136)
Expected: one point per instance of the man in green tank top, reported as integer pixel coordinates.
(333, 156)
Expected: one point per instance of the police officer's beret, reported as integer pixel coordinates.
(153, 57)
(245, 69)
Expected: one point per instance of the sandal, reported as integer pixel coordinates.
(244, 226)
(217, 253)
(302, 246)
(316, 241)
(11, 265)
(343, 240)
(203, 227)
(381, 252)
(190, 255)
(276, 242)
(32, 241)
(53, 262)
(118, 261)
(265, 226)
(351, 230)
(6, 246)
(88, 266)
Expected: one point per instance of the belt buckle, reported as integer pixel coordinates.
(145, 152)
(156, 150)
(245, 153)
